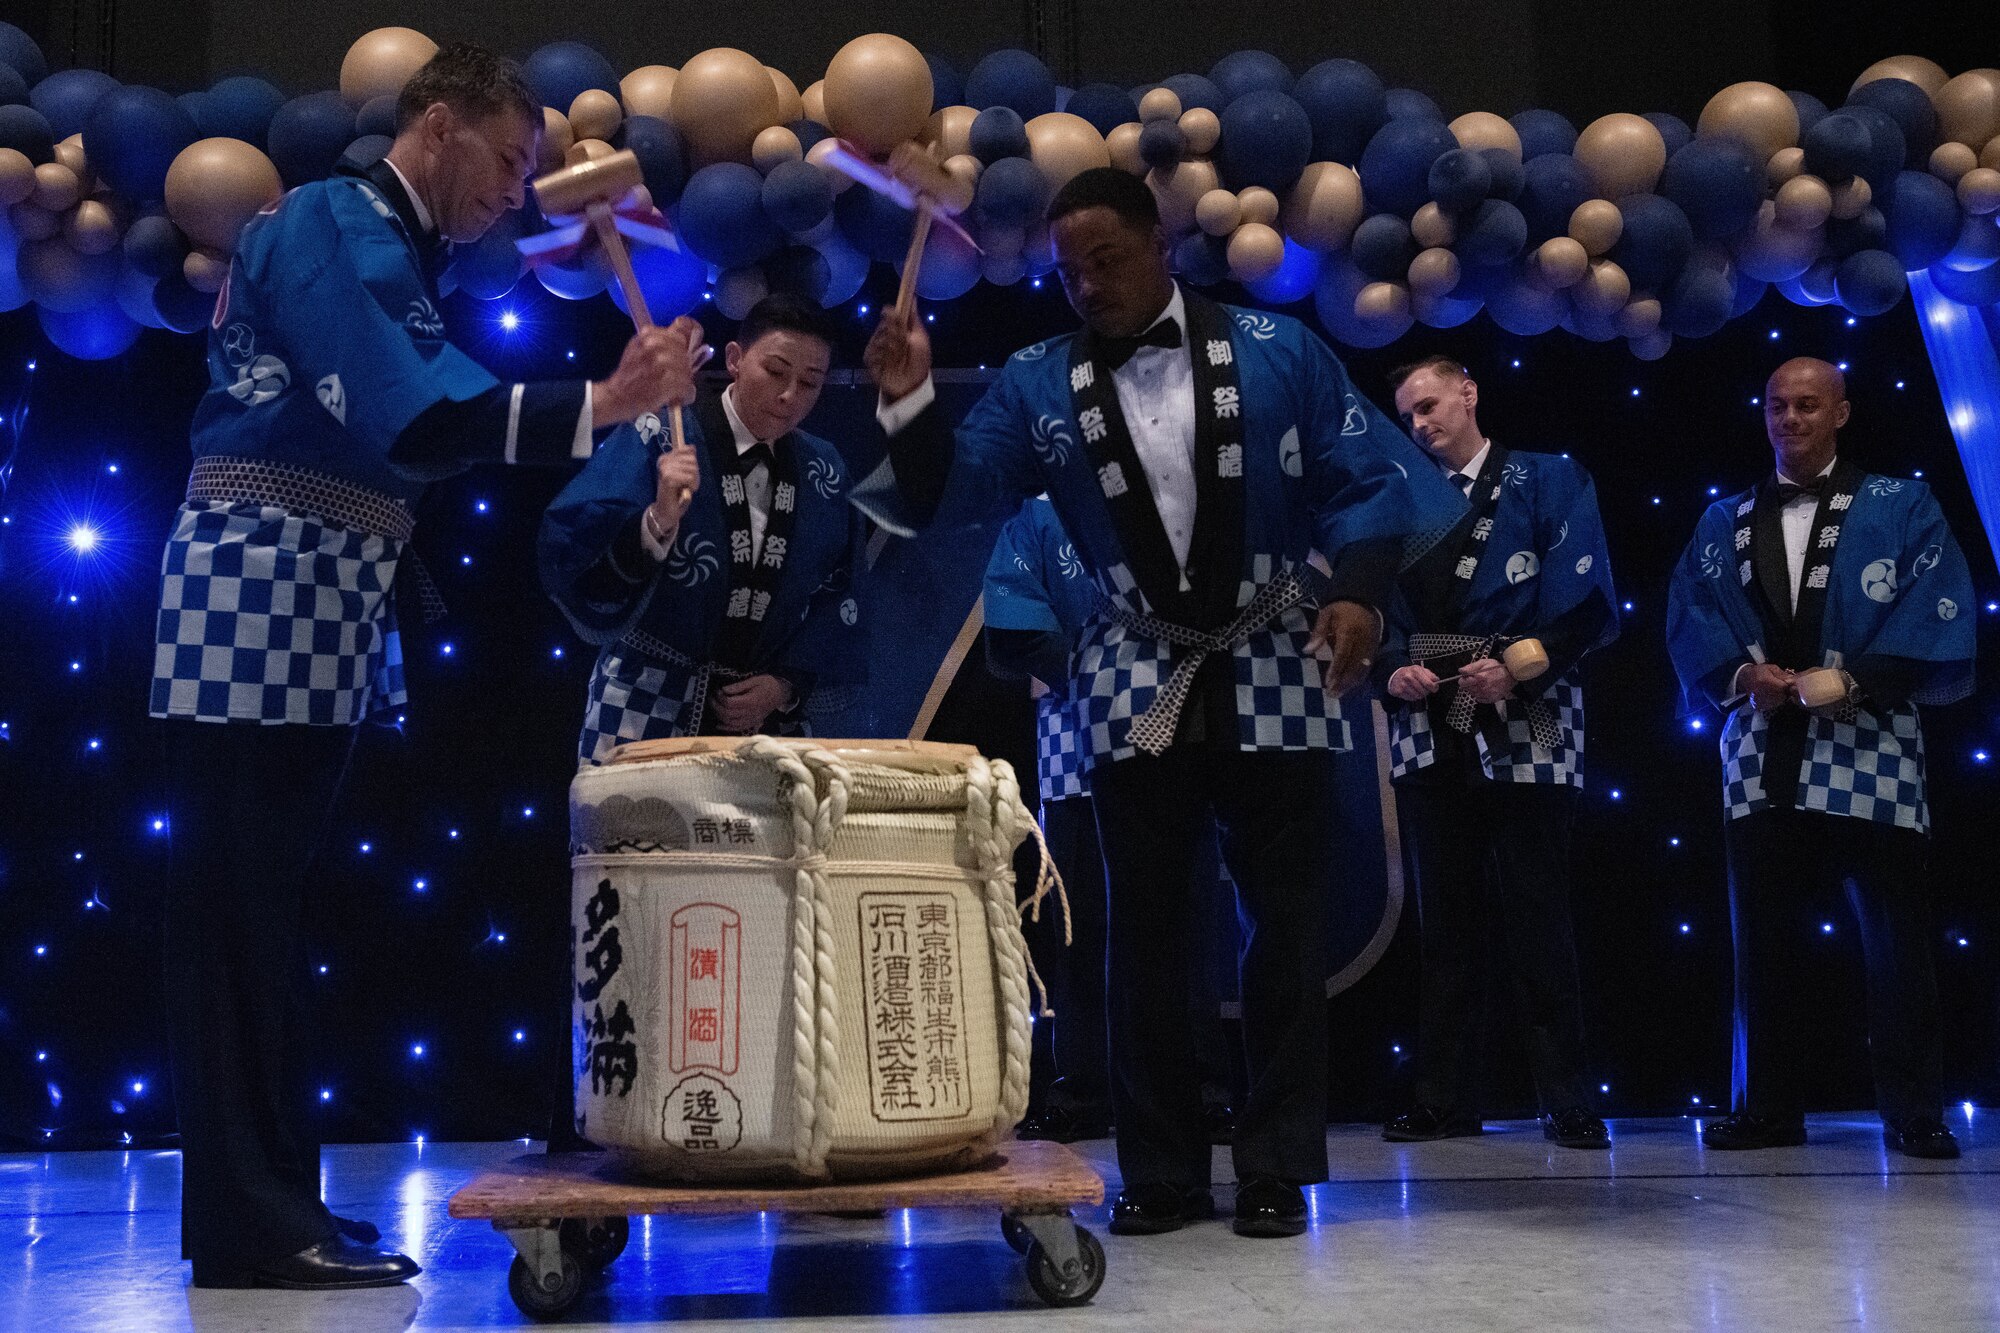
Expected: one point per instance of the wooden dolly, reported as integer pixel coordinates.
(568, 1215)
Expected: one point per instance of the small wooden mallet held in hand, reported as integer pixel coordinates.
(1820, 687)
(917, 181)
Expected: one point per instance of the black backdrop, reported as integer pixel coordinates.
(467, 795)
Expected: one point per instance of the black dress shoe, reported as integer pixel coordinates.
(357, 1229)
(1920, 1138)
(1064, 1124)
(1267, 1207)
(1426, 1124)
(1154, 1210)
(1746, 1130)
(335, 1264)
(1574, 1127)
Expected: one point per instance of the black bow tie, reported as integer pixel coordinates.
(1117, 351)
(748, 459)
(1789, 491)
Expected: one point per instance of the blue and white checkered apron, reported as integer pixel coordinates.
(1870, 768)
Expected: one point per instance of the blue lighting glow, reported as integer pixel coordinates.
(520, 1035)
(861, 310)
(1673, 842)
(527, 812)
(82, 538)
(1635, 391)
(1694, 724)
(326, 1094)
(1686, 929)
(1774, 335)
(421, 885)
(1826, 927)
(1617, 795)
(509, 320)
(417, 1050)
(445, 649)
(1980, 756)
(556, 651)
(479, 506)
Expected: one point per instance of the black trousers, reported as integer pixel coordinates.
(249, 806)
(1491, 864)
(1783, 867)
(1150, 812)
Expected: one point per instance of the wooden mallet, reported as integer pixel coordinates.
(917, 181)
(1525, 659)
(1820, 687)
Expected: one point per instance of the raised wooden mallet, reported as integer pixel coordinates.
(919, 182)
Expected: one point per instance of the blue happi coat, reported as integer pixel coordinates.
(1537, 566)
(1320, 467)
(1036, 582)
(656, 635)
(1895, 586)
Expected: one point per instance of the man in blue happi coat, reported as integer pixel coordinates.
(715, 578)
(1197, 455)
(1823, 565)
(1486, 769)
(334, 399)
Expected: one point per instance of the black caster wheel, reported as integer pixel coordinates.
(595, 1241)
(1019, 1238)
(539, 1301)
(1059, 1287)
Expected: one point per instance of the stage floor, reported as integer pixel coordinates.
(1493, 1234)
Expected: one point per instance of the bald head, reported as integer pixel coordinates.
(1805, 405)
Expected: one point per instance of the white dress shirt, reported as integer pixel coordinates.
(1797, 517)
(757, 488)
(1471, 469)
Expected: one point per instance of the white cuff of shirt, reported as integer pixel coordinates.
(895, 416)
(1736, 690)
(654, 546)
(580, 445)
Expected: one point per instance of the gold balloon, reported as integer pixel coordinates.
(70, 153)
(1785, 164)
(1123, 145)
(1625, 154)
(92, 229)
(205, 270)
(1483, 129)
(1950, 161)
(1259, 205)
(878, 92)
(1640, 318)
(56, 187)
(818, 154)
(791, 106)
(60, 279)
(965, 169)
(1159, 104)
(1203, 129)
(738, 289)
(1803, 202)
(381, 62)
(17, 177)
(1851, 199)
(595, 114)
(1218, 212)
(557, 138)
(32, 222)
(1325, 206)
(1597, 224)
(588, 150)
(649, 91)
(1989, 156)
(1604, 291)
(217, 185)
(1062, 145)
(1432, 226)
(1926, 74)
(1383, 301)
(1179, 189)
(950, 128)
(1968, 107)
(1561, 261)
(813, 99)
(1773, 252)
(1255, 252)
(1979, 191)
(1433, 273)
(774, 147)
(722, 100)
(1759, 115)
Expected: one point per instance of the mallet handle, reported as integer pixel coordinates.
(606, 227)
(906, 295)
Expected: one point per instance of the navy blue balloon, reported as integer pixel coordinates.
(490, 266)
(13, 88)
(1460, 180)
(1405, 103)
(1980, 287)
(1010, 193)
(1978, 244)
(1243, 72)
(196, 105)
(68, 97)
(365, 152)
(1922, 216)
(1837, 147)
(1266, 140)
(1493, 233)
(1749, 291)
(26, 131)
(998, 132)
(799, 270)
(1162, 144)
(1811, 111)
(1543, 133)
(1673, 130)
(874, 224)
(1552, 185)
(947, 84)
(1296, 276)
(1886, 149)
(1508, 178)
(308, 135)
(181, 307)
(1870, 282)
(96, 334)
(1699, 301)
(1014, 79)
(673, 281)
(1194, 90)
(1383, 248)
(798, 196)
(19, 50)
(1718, 183)
(1346, 104)
(1656, 241)
(154, 246)
(1910, 107)
(377, 116)
(1202, 259)
(1105, 105)
(1396, 165)
(809, 131)
(1869, 230)
(561, 71)
(241, 107)
(133, 136)
(1481, 282)
(662, 157)
(722, 216)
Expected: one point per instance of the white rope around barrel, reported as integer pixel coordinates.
(993, 811)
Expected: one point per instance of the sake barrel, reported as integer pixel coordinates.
(797, 959)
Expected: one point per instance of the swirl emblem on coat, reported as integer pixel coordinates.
(1035, 353)
(260, 381)
(1932, 556)
(1053, 441)
(1884, 486)
(1711, 560)
(825, 478)
(1021, 563)
(1947, 609)
(423, 319)
(1290, 457)
(850, 611)
(1514, 474)
(1522, 566)
(1562, 534)
(1354, 421)
(1261, 327)
(1066, 561)
(648, 427)
(1878, 580)
(239, 344)
(693, 560)
(1583, 565)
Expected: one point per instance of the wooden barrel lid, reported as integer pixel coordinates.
(888, 752)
